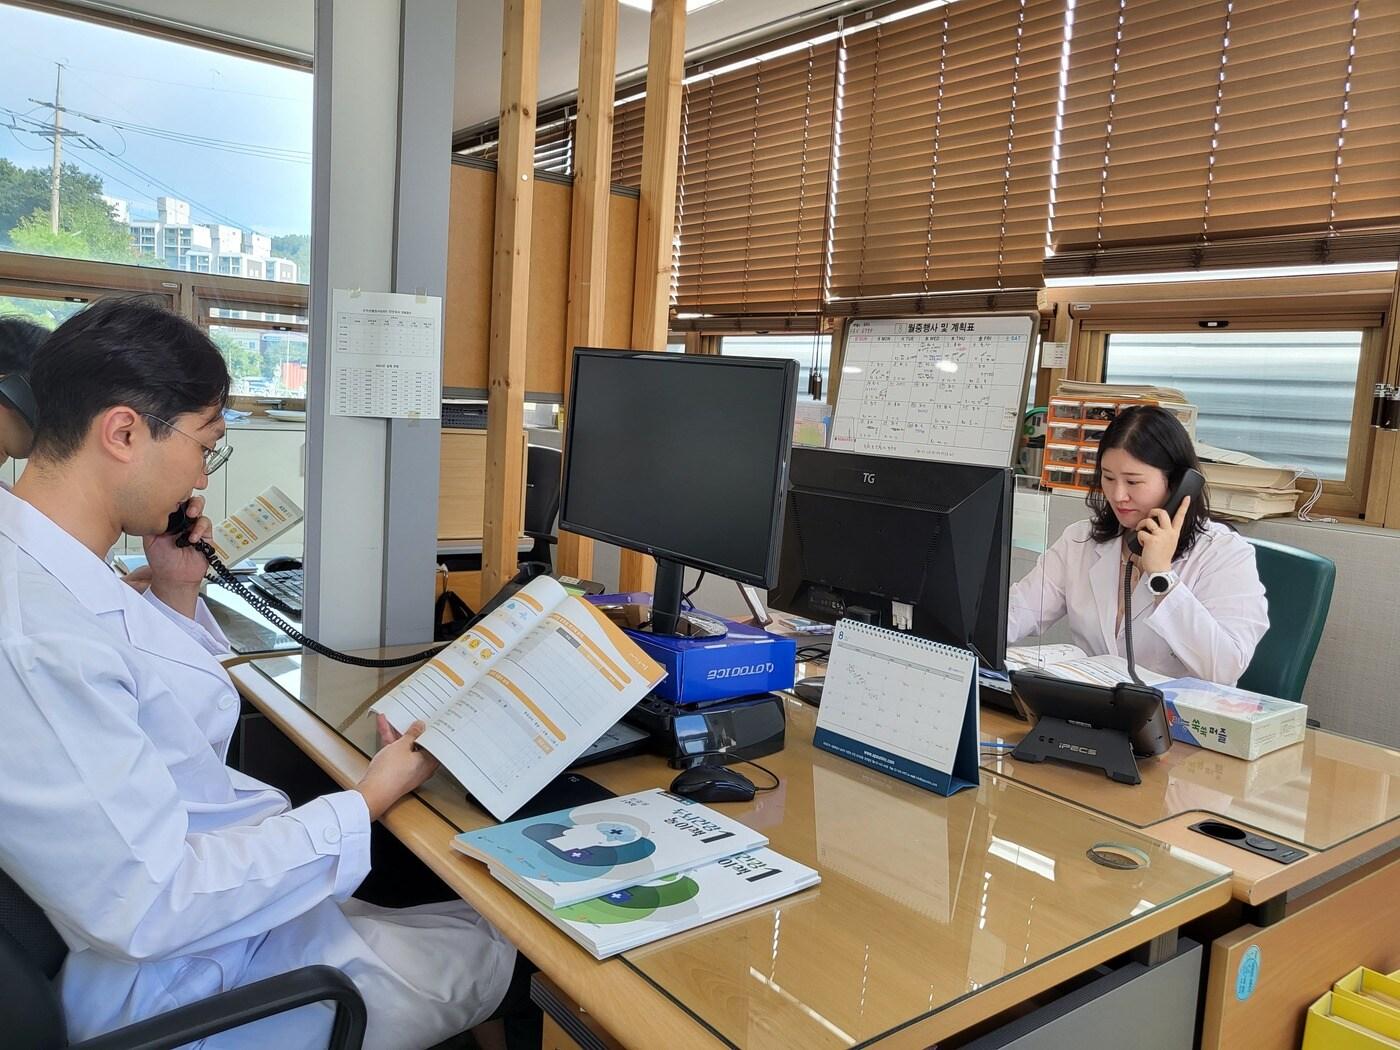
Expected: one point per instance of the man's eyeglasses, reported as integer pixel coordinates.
(214, 458)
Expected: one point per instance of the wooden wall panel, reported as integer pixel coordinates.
(622, 258)
(467, 309)
(467, 305)
(549, 288)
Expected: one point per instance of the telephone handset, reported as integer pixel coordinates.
(180, 524)
(1192, 484)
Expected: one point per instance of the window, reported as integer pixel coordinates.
(160, 143)
(1286, 397)
(265, 347)
(47, 313)
(806, 350)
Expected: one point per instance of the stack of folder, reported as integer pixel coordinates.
(1244, 487)
(1361, 1012)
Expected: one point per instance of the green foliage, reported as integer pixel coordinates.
(86, 231)
(24, 191)
(296, 247)
(242, 361)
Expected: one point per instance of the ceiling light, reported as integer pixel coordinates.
(690, 5)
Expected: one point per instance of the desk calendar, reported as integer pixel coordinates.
(901, 704)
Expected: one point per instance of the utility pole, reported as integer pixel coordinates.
(56, 174)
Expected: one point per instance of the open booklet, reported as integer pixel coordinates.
(1070, 661)
(511, 703)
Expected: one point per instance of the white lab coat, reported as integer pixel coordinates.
(171, 876)
(1206, 627)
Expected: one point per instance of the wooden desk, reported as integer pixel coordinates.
(934, 914)
(1334, 797)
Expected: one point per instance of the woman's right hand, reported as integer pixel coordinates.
(398, 768)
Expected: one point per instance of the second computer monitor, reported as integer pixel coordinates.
(869, 537)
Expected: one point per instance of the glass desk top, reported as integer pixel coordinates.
(924, 900)
(1318, 793)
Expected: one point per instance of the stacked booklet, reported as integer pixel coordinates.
(626, 871)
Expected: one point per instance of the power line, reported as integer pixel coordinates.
(253, 149)
(84, 141)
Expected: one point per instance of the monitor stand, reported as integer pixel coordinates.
(664, 615)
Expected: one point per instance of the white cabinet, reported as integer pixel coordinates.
(263, 457)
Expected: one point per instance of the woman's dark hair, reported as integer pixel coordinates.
(18, 341)
(1155, 436)
(130, 352)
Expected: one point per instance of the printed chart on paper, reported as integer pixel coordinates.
(386, 355)
(951, 388)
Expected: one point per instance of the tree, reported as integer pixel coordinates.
(26, 190)
(296, 247)
(86, 230)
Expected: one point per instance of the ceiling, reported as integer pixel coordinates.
(288, 25)
(478, 92)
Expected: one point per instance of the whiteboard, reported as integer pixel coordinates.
(951, 388)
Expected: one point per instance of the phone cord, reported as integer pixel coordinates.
(1128, 620)
(258, 602)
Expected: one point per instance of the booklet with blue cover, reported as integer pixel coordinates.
(636, 915)
(578, 854)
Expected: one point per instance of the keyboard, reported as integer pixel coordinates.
(282, 589)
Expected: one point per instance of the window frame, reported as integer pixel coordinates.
(1087, 316)
(208, 296)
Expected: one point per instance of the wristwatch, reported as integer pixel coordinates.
(1161, 583)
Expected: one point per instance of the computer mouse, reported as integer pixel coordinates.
(809, 690)
(711, 783)
(281, 564)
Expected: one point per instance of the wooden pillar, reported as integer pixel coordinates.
(588, 235)
(656, 212)
(510, 287)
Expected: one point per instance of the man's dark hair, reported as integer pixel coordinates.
(18, 341)
(1156, 437)
(130, 352)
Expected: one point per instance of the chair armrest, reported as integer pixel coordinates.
(240, 1006)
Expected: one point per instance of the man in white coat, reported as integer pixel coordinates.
(169, 875)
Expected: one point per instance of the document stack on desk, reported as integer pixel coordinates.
(626, 871)
(1069, 661)
(511, 703)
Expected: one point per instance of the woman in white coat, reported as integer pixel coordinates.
(1198, 608)
(170, 876)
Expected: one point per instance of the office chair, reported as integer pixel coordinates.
(32, 952)
(1298, 585)
(543, 481)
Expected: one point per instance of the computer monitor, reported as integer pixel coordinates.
(908, 544)
(683, 457)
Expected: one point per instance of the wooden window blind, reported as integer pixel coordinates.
(554, 144)
(1227, 133)
(751, 203)
(946, 123)
(627, 143)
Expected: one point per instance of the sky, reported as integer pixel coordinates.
(174, 88)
